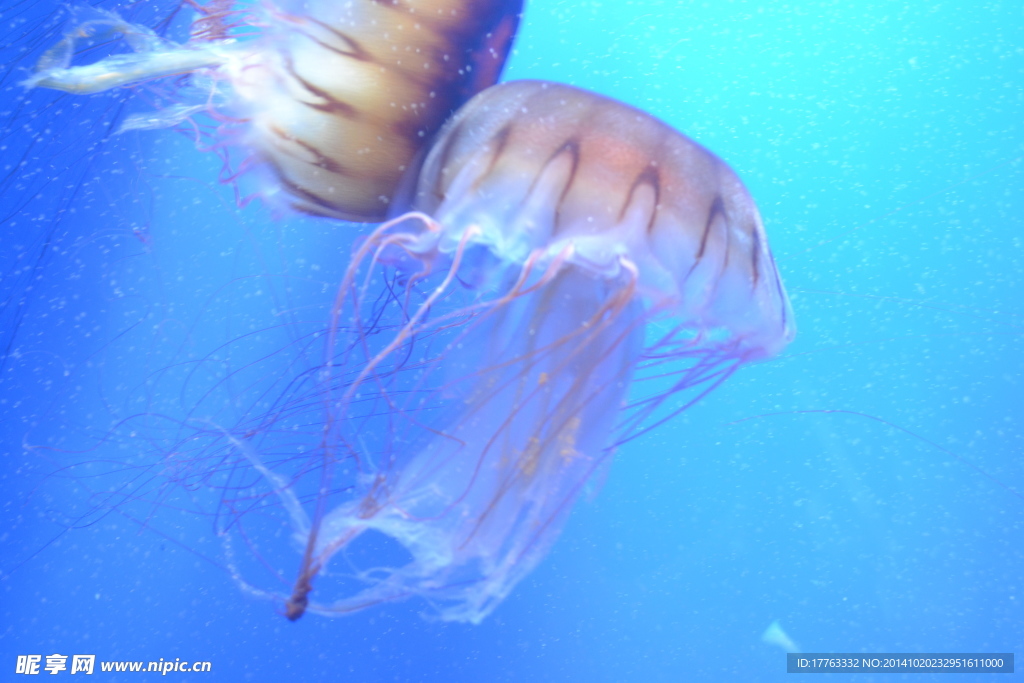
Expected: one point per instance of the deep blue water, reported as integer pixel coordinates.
(834, 489)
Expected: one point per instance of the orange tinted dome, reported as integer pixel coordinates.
(538, 165)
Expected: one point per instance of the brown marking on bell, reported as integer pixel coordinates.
(755, 256)
(306, 25)
(717, 207)
(499, 141)
(454, 133)
(307, 202)
(727, 229)
(330, 104)
(355, 50)
(650, 177)
(280, 133)
(571, 147)
(323, 161)
(378, 101)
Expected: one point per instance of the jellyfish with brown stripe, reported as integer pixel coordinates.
(571, 273)
(329, 103)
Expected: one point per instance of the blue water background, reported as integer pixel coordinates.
(883, 143)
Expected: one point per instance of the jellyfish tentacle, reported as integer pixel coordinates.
(313, 555)
(372, 242)
(538, 416)
(407, 330)
(527, 358)
(153, 57)
(563, 413)
(300, 520)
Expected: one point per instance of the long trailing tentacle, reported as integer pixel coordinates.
(606, 327)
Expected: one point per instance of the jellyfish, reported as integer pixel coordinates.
(330, 102)
(318, 106)
(559, 248)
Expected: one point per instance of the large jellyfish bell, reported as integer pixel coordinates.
(559, 245)
(331, 101)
